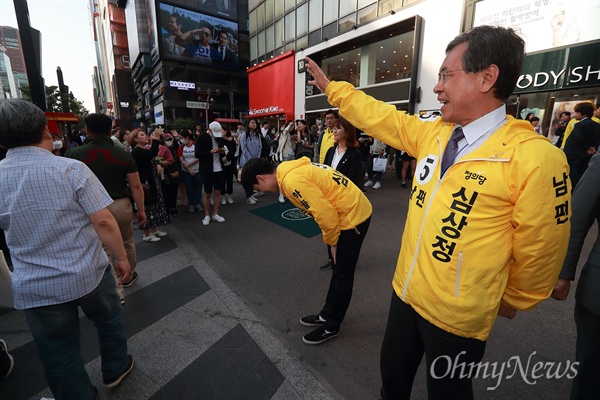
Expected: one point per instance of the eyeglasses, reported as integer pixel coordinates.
(443, 76)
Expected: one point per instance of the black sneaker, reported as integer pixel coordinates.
(131, 280)
(319, 336)
(115, 382)
(312, 320)
(327, 265)
(7, 362)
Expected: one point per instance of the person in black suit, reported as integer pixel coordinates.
(222, 54)
(586, 210)
(583, 141)
(344, 156)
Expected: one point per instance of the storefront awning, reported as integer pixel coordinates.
(271, 87)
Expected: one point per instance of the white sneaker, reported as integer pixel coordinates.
(150, 238)
(218, 218)
(281, 198)
(223, 201)
(191, 208)
(377, 185)
(205, 220)
(229, 199)
(368, 183)
(251, 200)
(258, 194)
(160, 234)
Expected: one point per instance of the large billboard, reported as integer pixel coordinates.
(543, 24)
(191, 36)
(226, 8)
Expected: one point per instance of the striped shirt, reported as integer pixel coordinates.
(44, 205)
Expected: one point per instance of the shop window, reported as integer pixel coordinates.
(393, 58)
(343, 67)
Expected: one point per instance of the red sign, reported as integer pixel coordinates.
(271, 87)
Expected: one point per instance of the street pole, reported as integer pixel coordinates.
(207, 107)
(32, 53)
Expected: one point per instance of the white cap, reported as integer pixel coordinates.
(216, 129)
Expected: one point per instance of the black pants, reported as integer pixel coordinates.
(170, 194)
(342, 279)
(407, 337)
(586, 384)
(228, 172)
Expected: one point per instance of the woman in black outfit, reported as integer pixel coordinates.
(229, 163)
(154, 204)
(344, 157)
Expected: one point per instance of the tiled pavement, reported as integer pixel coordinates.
(191, 338)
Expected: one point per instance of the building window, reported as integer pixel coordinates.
(347, 23)
(261, 44)
(290, 26)
(302, 20)
(367, 14)
(253, 47)
(347, 6)
(269, 10)
(315, 10)
(330, 11)
(269, 39)
(278, 33)
(289, 5)
(252, 18)
(362, 3)
(278, 9)
(385, 6)
(260, 17)
(302, 43)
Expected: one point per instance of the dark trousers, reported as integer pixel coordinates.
(342, 279)
(170, 194)
(229, 172)
(586, 384)
(407, 337)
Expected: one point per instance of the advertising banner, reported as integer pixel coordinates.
(543, 24)
(190, 36)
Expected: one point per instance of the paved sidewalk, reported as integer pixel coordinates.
(190, 335)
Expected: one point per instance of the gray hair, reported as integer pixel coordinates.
(21, 123)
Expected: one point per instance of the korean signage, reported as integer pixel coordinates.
(543, 24)
(196, 104)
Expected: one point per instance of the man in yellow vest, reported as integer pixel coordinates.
(326, 139)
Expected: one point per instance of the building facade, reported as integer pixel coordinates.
(188, 58)
(392, 49)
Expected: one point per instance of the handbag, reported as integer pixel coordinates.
(6, 292)
(379, 164)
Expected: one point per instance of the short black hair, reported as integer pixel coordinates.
(567, 113)
(335, 113)
(585, 109)
(98, 124)
(254, 167)
(21, 123)
(532, 119)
